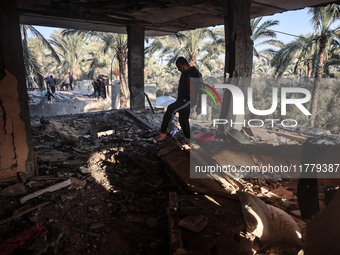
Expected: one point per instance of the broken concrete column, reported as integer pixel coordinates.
(16, 143)
(136, 67)
(238, 53)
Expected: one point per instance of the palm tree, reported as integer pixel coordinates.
(322, 19)
(312, 49)
(333, 57)
(260, 33)
(299, 51)
(261, 69)
(203, 44)
(74, 50)
(30, 53)
(117, 44)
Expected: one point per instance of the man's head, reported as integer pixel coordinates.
(182, 64)
(51, 76)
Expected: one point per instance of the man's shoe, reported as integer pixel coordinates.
(160, 137)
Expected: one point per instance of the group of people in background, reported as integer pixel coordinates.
(51, 86)
(51, 83)
(99, 86)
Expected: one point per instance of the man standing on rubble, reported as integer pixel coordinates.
(182, 104)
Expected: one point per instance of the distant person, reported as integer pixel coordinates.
(52, 84)
(70, 79)
(102, 87)
(182, 104)
(30, 82)
(35, 82)
(47, 81)
(96, 87)
(48, 94)
(64, 86)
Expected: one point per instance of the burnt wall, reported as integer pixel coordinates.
(16, 144)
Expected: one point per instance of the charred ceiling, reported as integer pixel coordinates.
(157, 17)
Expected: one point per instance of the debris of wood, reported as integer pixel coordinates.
(48, 189)
(46, 177)
(104, 133)
(280, 192)
(195, 223)
(141, 121)
(261, 134)
(23, 212)
(300, 139)
(78, 183)
(166, 150)
(237, 136)
(226, 183)
(14, 190)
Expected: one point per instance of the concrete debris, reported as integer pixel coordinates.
(280, 193)
(84, 170)
(23, 177)
(117, 178)
(195, 223)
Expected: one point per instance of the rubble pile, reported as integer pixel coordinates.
(102, 186)
(95, 193)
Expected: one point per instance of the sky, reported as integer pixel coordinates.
(291, 22)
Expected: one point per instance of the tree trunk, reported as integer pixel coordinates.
(122, 78)
(316, 88)
(111, 70)
(309, 68)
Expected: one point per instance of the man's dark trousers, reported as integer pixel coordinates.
(183, 108)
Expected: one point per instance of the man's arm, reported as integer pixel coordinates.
(198, 85)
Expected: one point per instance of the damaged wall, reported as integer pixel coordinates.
(16, 144)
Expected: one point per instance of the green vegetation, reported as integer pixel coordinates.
(303, 61)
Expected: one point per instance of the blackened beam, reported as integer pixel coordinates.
(141, 121)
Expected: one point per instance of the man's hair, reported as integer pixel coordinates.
(51, 76)
(182, 61)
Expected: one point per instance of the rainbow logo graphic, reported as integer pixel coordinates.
(199, 85)
(209, 93)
